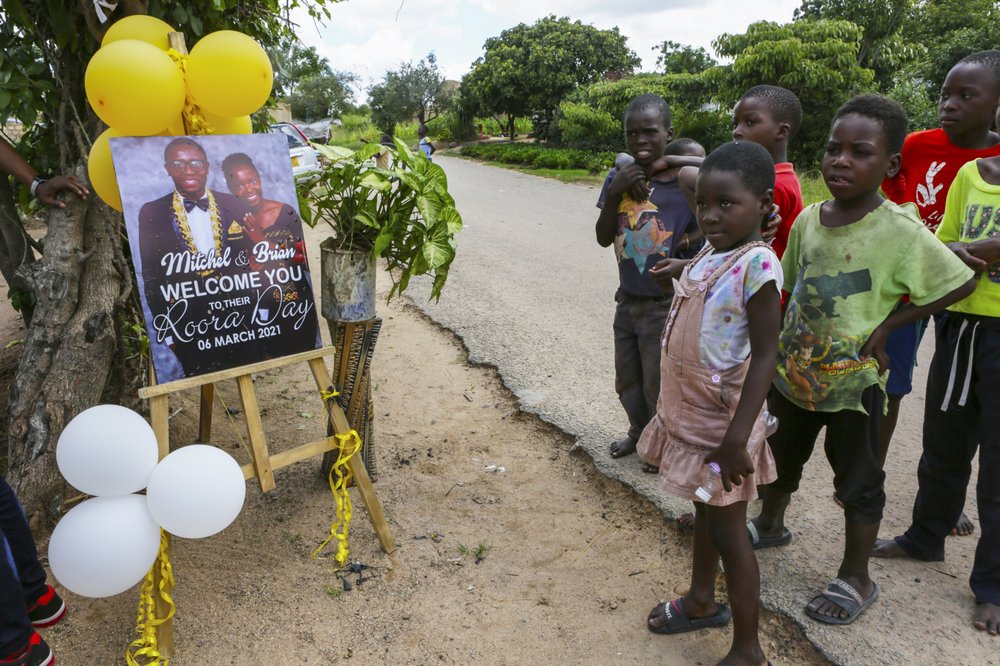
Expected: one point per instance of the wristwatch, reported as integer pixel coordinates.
(35, 183)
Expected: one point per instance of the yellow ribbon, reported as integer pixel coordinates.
(350, 443)
(145, 647)
(194, 120)
(329, 394)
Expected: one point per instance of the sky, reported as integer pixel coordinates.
(370, 37)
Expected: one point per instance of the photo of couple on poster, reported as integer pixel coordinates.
(217, 244)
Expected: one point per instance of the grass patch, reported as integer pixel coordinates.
(813, 187)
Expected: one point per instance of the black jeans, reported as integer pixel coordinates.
(851, 446)
(960, 416)
(638, 326)
(21, 575)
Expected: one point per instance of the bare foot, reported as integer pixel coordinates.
(987, 618)
(623, 447)
(888, 548)
(963, 527)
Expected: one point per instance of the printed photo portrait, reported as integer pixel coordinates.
(216, 240)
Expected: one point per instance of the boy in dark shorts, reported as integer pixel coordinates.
(848, 262)
(931, 158)
(647, 219)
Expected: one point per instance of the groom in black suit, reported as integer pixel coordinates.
(193, 234)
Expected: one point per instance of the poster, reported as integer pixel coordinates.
(216, 240)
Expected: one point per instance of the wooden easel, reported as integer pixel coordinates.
(262, 464)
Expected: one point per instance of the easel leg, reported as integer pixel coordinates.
(341, 426)
(159, 413)
(165, 631)
(205, 415)
(255, 429)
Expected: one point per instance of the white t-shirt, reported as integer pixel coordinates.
(725, 328)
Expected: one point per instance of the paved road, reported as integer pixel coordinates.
(531, 293)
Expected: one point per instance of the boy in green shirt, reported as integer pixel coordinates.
(848, 262)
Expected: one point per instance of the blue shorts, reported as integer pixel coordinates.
(902, 350)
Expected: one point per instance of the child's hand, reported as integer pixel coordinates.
(47, 191)
(986, 250)
(734, 462)
(630, 179)
(964, 252)
(769, 229)
(665, 271)
(875, 346)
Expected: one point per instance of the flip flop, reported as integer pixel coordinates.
(678, 621)
(685, 523)
(758, 541)
(844, 596)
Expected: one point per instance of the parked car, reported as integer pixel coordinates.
(300, 150)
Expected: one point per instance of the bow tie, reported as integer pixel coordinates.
(202, 203)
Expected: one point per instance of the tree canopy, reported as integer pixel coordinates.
(676, 58)
(412, 91)
(531, 68)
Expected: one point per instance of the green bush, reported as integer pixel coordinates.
(587, 128)
(540, 156)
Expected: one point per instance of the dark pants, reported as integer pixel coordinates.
(26, 581)
(638, 326)
(851, 447)
(960, 416)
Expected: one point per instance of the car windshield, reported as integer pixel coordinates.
(294, 140)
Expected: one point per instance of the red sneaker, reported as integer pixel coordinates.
(47, 610)
(35, 653)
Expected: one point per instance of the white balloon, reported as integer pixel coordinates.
(107, 450)
(104, 545)
(196, 491)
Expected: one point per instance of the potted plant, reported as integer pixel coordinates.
(401, 213)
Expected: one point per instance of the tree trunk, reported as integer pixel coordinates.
(82, 286)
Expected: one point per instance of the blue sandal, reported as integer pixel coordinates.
(844, 596)
(678, 621)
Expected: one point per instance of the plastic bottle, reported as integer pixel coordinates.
(771, 424)
(711, 482)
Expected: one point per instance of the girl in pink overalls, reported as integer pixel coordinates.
(719, 350)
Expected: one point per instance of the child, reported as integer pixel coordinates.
(646, 219)
(848, 262)
(931, 158)
(719, 349)
(425, 146)
(26, 601)
(770, 116)
(963, 397)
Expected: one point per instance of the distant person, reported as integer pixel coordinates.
(197, 221)
(279, 225)
(848, 262)
(26, 601)
(963, 397)
(647, 219)
(425, 146)
(931, 159)
(719, 350)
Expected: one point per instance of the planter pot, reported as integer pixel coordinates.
(348, 284)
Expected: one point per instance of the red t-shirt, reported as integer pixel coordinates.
(930, 162)
(788, 196)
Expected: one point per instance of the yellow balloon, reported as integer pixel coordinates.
(101, 170)
(220, 125)
(134, 87)
(147, 29)
(229, 74)
(176, 128)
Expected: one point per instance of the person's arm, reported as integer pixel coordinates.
(764, 318)
(907, 314)
(674, 161)
(628, 179)
(46, 190)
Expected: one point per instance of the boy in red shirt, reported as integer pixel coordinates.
(931, 158)
(770, 116)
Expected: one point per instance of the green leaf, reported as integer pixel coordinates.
(437, 250)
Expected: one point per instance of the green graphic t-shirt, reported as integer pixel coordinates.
(843, 282)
